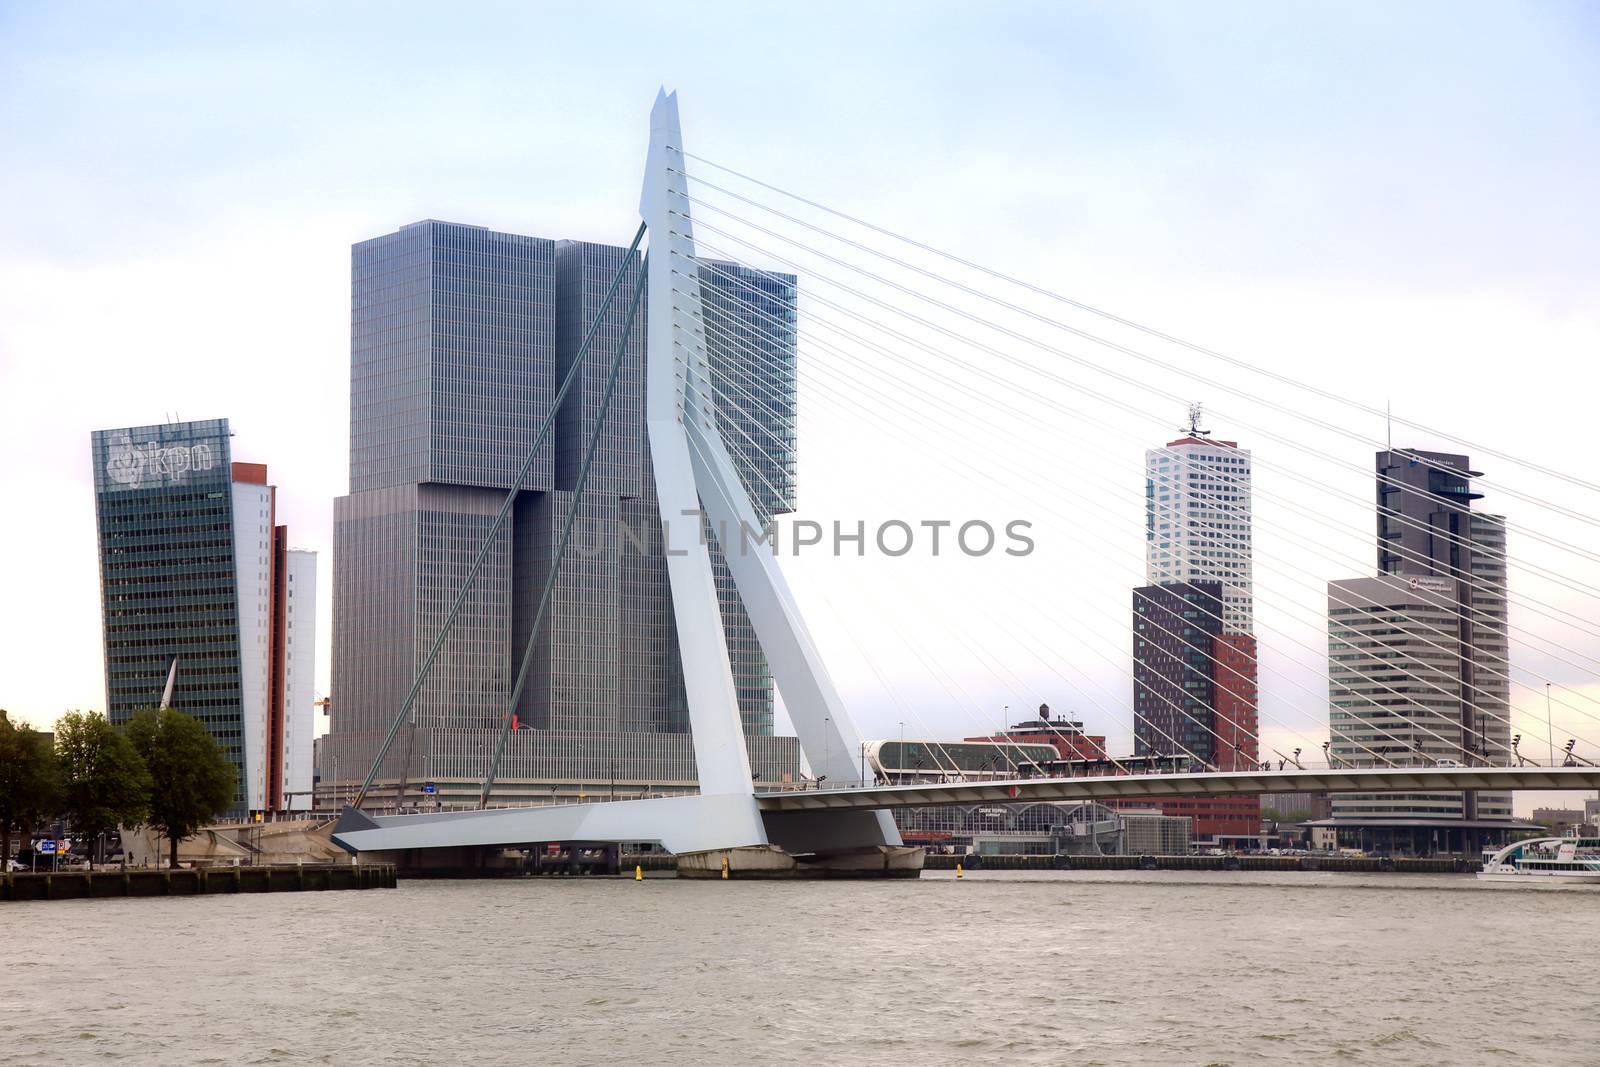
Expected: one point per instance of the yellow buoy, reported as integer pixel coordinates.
(724, 868)
(958, 870)
(638, 873)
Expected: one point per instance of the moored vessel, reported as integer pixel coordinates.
(1546, 861)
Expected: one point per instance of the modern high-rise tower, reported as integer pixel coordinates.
(1194, 646)
(206, 607)
(459, 338)
(1418, 666)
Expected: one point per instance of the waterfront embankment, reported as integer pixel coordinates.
(78, 885)
(1396, 864)
(660, 862)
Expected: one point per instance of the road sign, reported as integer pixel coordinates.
(46, 848)
(429, 788)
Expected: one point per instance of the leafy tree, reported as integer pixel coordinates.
(191, 780)
(104, 782)
(29, 787)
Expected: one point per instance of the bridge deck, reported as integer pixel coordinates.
(698, 823)
(1028, 790)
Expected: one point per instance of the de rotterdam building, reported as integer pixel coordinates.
(460, 336)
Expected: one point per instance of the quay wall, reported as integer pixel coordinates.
(188, 882)
(1397, 864)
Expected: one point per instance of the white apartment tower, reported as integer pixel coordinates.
(277, 591)
(1197, 519)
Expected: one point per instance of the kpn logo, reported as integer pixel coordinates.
(128, 463)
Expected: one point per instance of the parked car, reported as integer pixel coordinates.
(13, 865)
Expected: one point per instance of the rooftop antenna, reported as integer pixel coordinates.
(1195, 413)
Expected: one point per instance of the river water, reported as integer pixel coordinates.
(1113, 967)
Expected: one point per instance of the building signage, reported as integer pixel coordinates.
(1431, 584)
(157, 456)
(131, 463)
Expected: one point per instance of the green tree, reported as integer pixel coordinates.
(29, 787)
(104, 782)
(191, 780)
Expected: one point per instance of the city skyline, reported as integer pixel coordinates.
(1251, 294)
(754, 513)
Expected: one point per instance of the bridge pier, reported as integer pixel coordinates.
(460, 861)
(771, 862)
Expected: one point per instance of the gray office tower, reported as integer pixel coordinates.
(459, 338)
(1419, 656)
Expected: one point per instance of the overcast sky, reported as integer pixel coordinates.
(1395, 202)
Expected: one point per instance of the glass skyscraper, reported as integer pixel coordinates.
(1418, 657)
(201, 591)
(459, 339)
(164, 505)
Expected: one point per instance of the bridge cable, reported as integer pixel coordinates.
(1258, 462)
(1147, 330)
(1180, 710)
(1490, 714)
(735, 343)
(1092, 338)
(1221, 575)
(1483, 616)
(1404, 553)
(1126, 623)
(1127, 380)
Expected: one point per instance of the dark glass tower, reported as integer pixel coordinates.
(1175, 627)
(164, 507)
(1429, 536)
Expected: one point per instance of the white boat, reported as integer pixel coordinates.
(1546, 861)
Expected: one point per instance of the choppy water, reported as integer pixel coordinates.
(1017, 968)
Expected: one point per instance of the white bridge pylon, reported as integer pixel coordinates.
(694, 475)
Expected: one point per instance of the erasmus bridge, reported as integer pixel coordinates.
(848, 825)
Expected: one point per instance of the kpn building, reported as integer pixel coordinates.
(206, 608)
